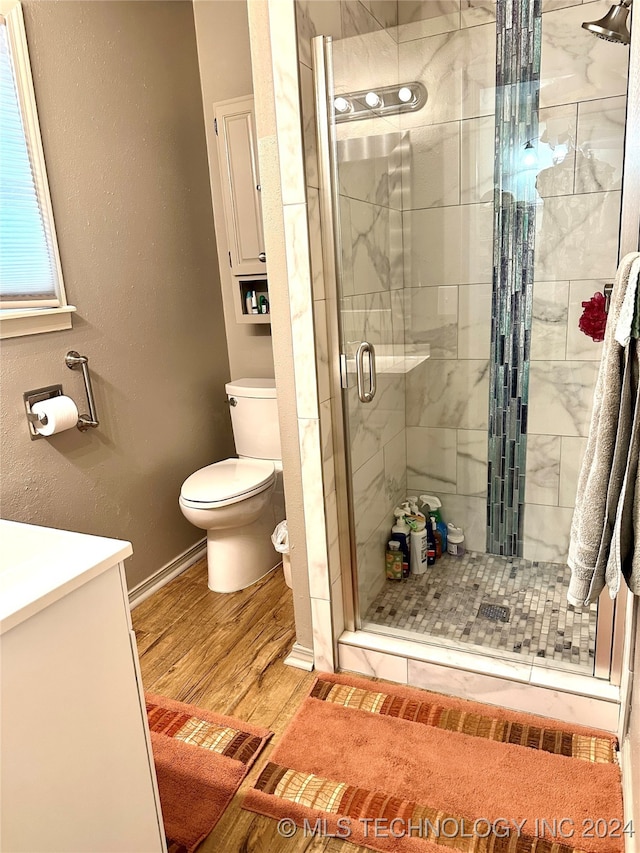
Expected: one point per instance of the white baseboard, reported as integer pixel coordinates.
(167, 573)
(300, 657)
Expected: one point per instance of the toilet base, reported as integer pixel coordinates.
(239, 557)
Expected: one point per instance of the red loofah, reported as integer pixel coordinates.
(594, 318)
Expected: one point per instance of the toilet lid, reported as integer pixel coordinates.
(231, 478)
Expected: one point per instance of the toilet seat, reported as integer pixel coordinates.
(227, 482)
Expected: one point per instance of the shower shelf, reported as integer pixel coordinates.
(392, 364)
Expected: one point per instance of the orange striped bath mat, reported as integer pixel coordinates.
(399, 769)
(201, 759)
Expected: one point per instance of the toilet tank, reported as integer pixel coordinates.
(254, 418)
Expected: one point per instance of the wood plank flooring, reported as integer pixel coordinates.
(225, 653)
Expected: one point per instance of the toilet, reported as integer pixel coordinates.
(239, 501)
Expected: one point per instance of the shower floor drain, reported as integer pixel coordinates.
(495, 612)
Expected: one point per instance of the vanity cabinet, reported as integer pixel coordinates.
(77, 771)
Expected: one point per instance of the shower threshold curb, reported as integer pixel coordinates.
(565, 696)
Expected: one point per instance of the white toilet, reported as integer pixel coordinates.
(236, 500)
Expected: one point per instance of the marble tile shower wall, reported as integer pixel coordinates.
(448, 238)
(370, 161)
(372, 231)
(580, 153)
(448, 244)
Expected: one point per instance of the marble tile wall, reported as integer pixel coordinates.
(579, 176)
(447, 202)
(447, 197)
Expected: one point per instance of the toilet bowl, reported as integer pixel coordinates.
(233, 500)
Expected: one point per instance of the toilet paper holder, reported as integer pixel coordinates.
(37, 396)
(74, 361)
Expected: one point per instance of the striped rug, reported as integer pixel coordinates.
(201, 759)
(398, 769)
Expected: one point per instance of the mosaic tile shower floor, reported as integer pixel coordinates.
(447, 603)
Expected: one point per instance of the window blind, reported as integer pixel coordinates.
(28, 270)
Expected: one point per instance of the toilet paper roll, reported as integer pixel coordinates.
(61, 412)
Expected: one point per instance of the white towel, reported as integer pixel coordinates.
(625, 321)
(606, 459)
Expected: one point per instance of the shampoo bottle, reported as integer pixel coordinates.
(393, 561)
(419, 548)
(412, 503)
(400, 533)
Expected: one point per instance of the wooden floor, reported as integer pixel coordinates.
(225, 653)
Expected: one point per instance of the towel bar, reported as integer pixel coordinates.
(73, 360)
(608, 290)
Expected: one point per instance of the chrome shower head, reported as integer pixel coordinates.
(613, 27)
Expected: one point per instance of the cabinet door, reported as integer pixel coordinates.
(238, 157)
(76, 772)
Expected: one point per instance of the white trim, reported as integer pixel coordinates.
(61, 318)
(300, 657)
(626, 767)
(167, 573)
(32, 321)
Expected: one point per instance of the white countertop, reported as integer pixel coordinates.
(39, 565)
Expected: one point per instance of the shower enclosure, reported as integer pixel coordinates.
(473, 164)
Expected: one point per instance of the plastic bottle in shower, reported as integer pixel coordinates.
(400, 532)
(437, 536)
(419, 547)
(434, 506)
(393, 561)
(431, 544)
(455, 542)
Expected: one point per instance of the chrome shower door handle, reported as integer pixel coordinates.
(366, 347)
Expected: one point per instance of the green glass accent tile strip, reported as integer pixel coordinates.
(518, 31)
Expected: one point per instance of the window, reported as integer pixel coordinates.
(32, 297)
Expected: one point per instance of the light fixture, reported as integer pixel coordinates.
(373, 100)
(384, 100)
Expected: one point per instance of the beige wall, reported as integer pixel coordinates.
(222, 33)
(118, 95)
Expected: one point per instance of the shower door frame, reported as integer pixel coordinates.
(613, 661)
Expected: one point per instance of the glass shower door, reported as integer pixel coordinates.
(368, 158)
(464, 229)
